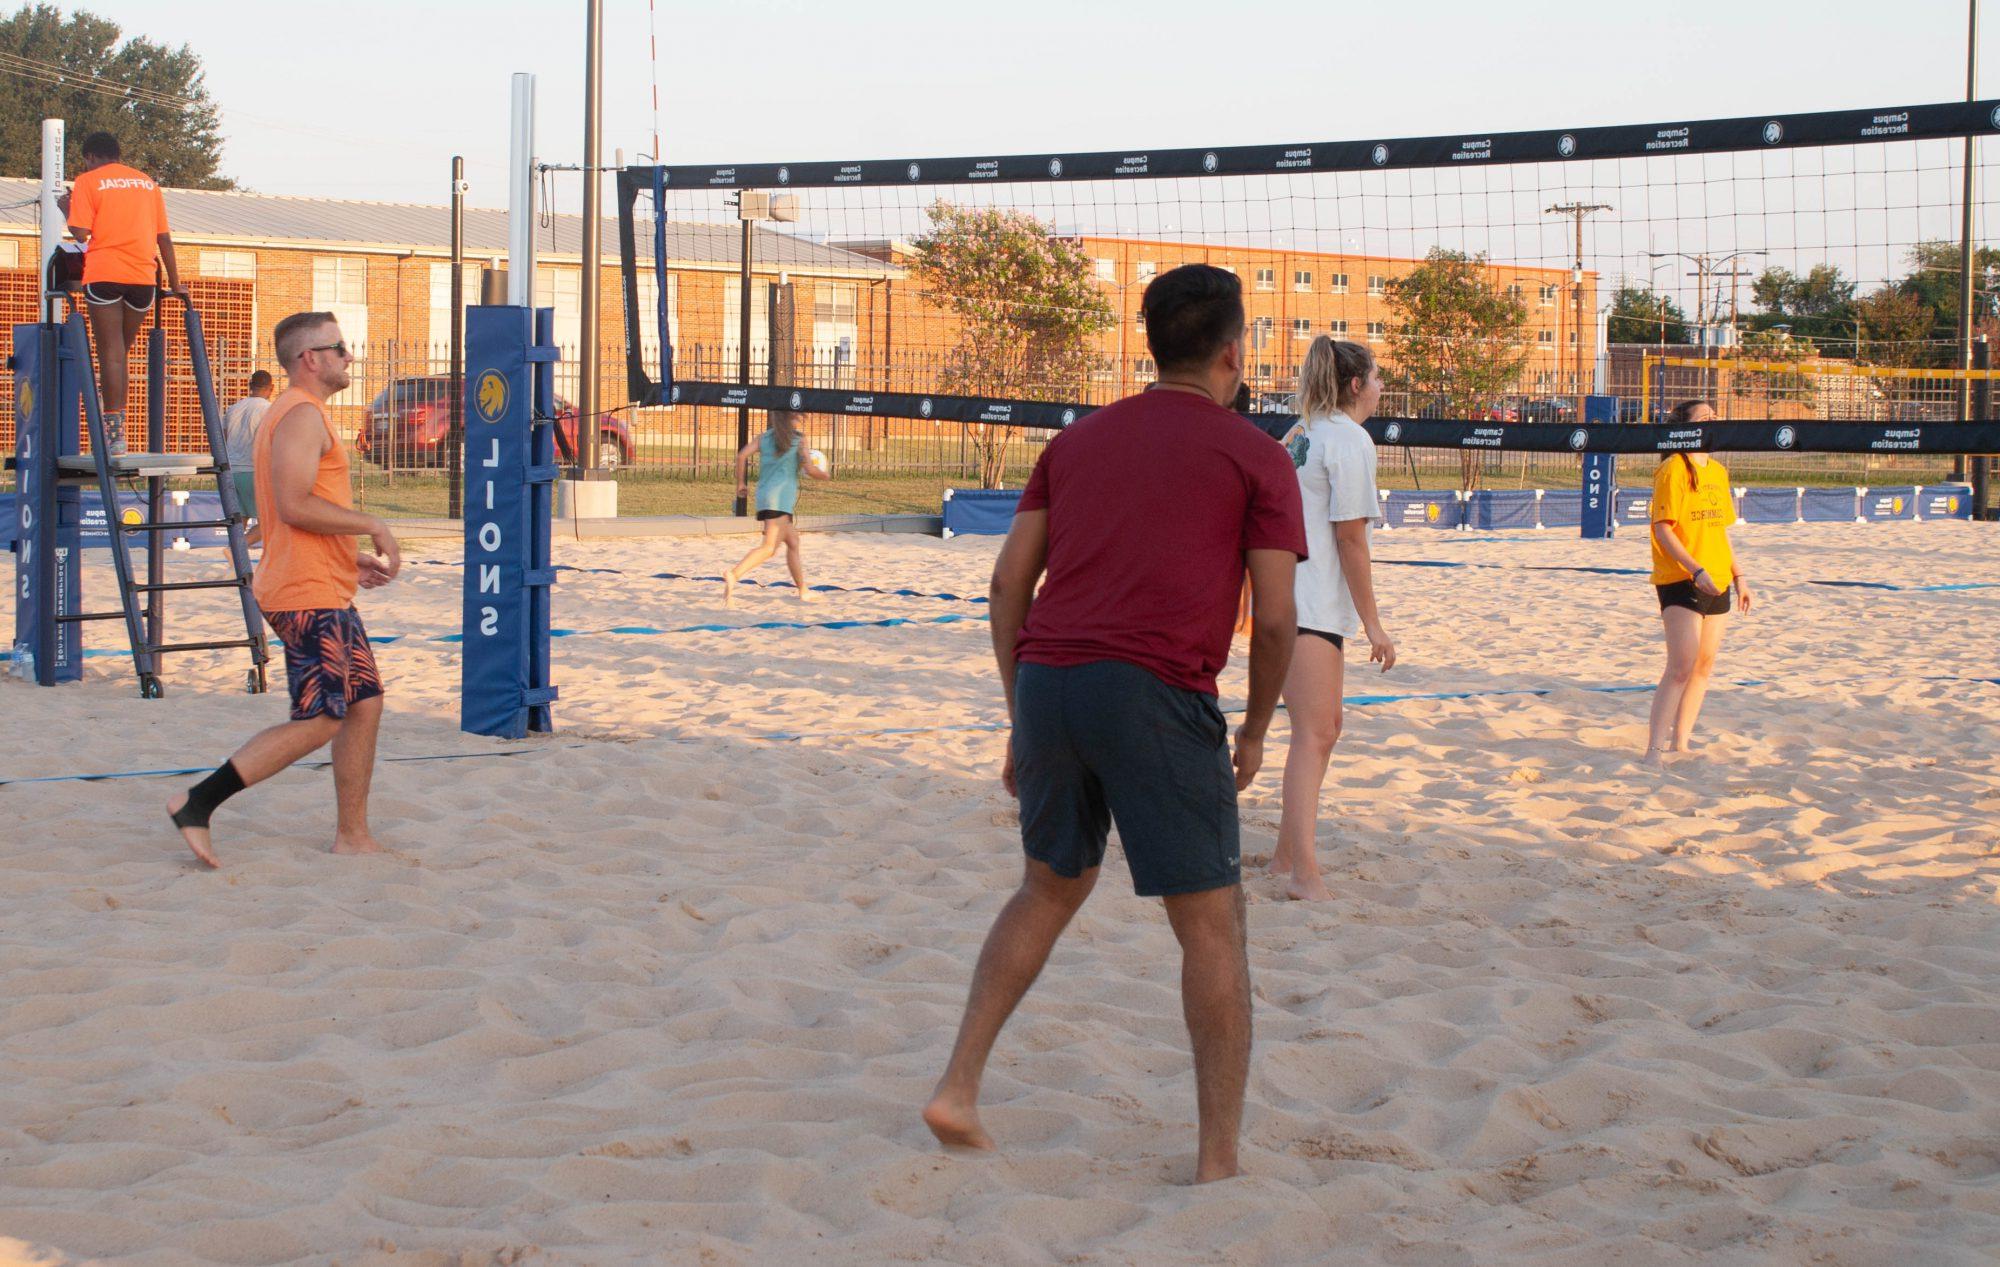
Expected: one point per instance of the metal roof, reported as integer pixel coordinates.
(230, 217)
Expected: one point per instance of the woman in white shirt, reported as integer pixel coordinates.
(1339, 386)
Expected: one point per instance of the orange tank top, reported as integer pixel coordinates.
(300, 570)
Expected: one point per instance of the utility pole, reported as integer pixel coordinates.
(1965, 235)
(1577, 211)
(588, 353)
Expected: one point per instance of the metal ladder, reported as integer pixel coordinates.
(142, 604)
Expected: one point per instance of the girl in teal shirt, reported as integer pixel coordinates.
(779, 451)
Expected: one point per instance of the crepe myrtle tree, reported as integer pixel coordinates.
(1027, 312)
(1460, 340)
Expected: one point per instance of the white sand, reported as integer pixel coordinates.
(661, 991)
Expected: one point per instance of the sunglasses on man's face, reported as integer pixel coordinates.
(340, 347)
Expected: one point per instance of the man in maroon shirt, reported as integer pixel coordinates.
(1144, 516)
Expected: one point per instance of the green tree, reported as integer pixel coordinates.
(1460, 340)
(1933, 282)
(1026, 308)
(1816, 305)
(1791, 386)
(1891, 328)
(1640, 314)
(151, 97)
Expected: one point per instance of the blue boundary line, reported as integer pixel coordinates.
(298, 765)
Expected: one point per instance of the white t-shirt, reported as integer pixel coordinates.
(1336, 465)
(239, 429)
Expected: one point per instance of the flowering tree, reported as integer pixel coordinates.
(1025, 306)
(1461, 340)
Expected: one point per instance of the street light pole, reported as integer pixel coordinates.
(1577, 211)
(1965, 234)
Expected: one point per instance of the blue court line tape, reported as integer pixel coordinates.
(656, 631)
(298, 765)
(1911, 589)
(1357, 701)
(99, 653)
(717, 579)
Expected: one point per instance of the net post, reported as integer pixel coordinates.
(1982, 411)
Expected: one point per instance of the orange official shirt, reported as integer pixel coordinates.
(125, 213)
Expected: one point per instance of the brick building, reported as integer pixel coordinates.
(858, 320)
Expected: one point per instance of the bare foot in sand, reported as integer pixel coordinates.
(358, 843)
(807, 596)
(1308, 889)
(955, 1122)
(1656, 758)
(728, 590)
(1279, 867)
(196, 837)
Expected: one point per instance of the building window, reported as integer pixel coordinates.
(241, 265)
(340, 286)
(1302, 328)
(562, 289)
(10, 254)
(1302, 280)
(1338, 284)
(1107, 270)
(1546, 336)
(760, 325)
(1377, 284)
(1146, 270)
(441, 304)
(649, 320)
(1264, 371)
(1377, 330)
(1514, 291)
(1338, 326)
(836, 333)
(1267, 279)
(1261, 330)
(1572, 338)
(1549, 296)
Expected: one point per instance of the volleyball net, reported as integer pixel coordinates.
(1802, 272)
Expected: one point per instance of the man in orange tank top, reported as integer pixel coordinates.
(305, 583)
(120, 216)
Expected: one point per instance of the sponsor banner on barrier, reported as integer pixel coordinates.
(132, 508)
(1898, 502)
(1759, 436)
(1634, 507)
(1403, 509)
(1560, 508)
(1489, 508)
(1944, 501)
(1465, 149)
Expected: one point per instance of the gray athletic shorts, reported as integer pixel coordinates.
(1109, 742)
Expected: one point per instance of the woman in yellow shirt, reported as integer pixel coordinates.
(1694, 571)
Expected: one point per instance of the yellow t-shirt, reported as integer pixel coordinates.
(1701, 516)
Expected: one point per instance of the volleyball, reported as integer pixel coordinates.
(816, 462)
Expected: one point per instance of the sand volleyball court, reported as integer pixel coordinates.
(670, 985)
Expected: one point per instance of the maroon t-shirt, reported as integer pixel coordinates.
(1152, 502)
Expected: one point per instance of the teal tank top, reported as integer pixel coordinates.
(777, 475)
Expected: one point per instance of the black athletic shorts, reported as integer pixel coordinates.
(762, 515)
(1334, 638)
(134, 295)
(1109, 742)
(1684, 594)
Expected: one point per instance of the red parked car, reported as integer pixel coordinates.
(409, 421)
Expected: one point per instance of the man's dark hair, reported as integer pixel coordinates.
(101, 145)
(1192, 313)
(259, 380)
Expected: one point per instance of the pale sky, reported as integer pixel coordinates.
(370, 98)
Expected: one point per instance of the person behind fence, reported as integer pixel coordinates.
(305, 582)
(239, 438)
(1339, 385)
(1694, 572)
(1143, 517)
(778, 452)
(120, 216)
